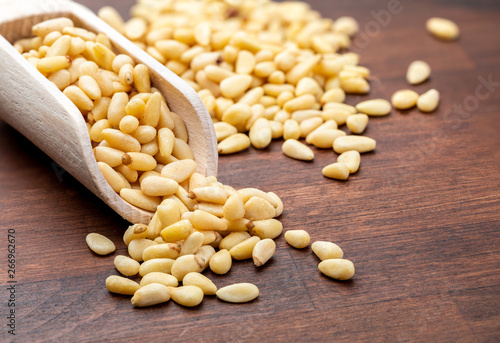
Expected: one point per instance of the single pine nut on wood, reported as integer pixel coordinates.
(358, 143)
(297, 150)
(100, 244)
(238, 293)
(404, 99)
(418, 72)
(188, 296)
(263, 251)
(200, 281)
(326, 250)
(298, 239)
(159, 277)
(337, 170)
(374, 107)
(121, 285)
(151, 294)
(339, 269)
(126, 265)
(441, 28)
(428, 101)
(357, 123)
(351, 159)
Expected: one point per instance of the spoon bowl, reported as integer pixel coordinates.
(41, 112)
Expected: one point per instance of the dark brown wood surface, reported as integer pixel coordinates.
(420, 220)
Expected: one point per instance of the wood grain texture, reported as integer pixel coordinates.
(420, 219)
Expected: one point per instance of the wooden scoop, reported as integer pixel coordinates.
(40, 111)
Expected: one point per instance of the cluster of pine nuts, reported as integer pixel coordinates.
(143, 153)
(264, 70)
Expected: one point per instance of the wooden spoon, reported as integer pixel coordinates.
(40, 111)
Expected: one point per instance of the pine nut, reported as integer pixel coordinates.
(327, 250)
(110, 156)
(238, 293)
(234, 207)
(177, 231)
(337, 115)
(418, 72)
(338, 171)
(324, 138)
(187, 264)
(202, 220)
(137, 198)
(139, 161)
(268, 228)
(237, 115)
(233, 144)
(200, 281)
(159, 277)
(179, 171)
(243, 250)
(144, 134)
(302, 102)
(141, 79)
(60, 47)
(79, 98)
(181, 150)
(126, 265)
(61, 78)
(224, 130)
(260, 133)
(351, 159)
(121, 285)
(442, 28)
(309, 125)
(263, 251)
(404, 99)
(339, 269)
(291, 130)
(151, 294)
(135, 231)
(162, 265)
(44, 28)
(114, 179)
(297, 150)
(234, 86)
(233, 239)
(211, 194)
(357, 122)
(100, 244)
(298, 239)
(333, 95)
(192, 243)
(257, 208)
(221, 262)
(346, 25)
(159, 186)
(188, 296)
(428, 101)
(137, 246)
(359, 143)
(121, 141)
(375, 107)
(128, 124)
(164, 250)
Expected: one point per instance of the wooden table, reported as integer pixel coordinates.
(420, 219)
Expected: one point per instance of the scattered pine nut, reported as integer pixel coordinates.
(418, 72)
(298, 239)
(100, 244)
(441, 28)
(238, 293)
(404, 99)
(339, 269)
(428, 101)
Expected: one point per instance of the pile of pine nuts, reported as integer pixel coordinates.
(141, 148)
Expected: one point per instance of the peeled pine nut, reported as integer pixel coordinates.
(234, 143)
(338, 171)
(234, 207)
(375, 107)
(79, 98)
(126, 265)
(257, 208)
(224, 130)
(358, 143)
(221, 262)
(442, 28)
(233, 239)
(151, 294)
(164, 250)
(192, 243)
(177, 231)
(188, 296)
(121, 285)
(159, 186)
(351, 159)
(339, 269)
(263, 251)
(243, 250)
(187, 264)
(202, 220)
(137, 246)
(238, 293)
(327, 250)
(139, 161)
(297, 150)
(58, 24)
(100, 244)
(114, 179)
(357, 123)
(212, 194)
(324, 138)
(428, 101)
(404, 99)
(268, 228)
(135, 231)
(179, 171)
(418, 72)
(137, 198)
(234, 86)
(200, 281)
(121, 141)
(291, 130)
(309, 125)
(163, 265)
(161, 278)
(260, 133)
(298, 239)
